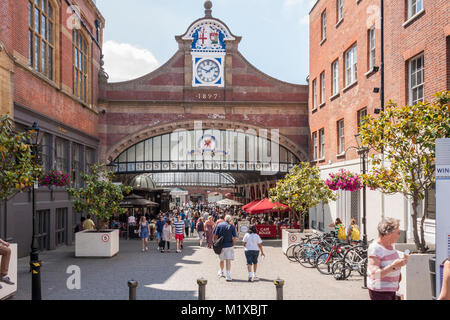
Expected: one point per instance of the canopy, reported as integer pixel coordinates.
(135, 201)
(249, 205)
(266, 205)
(228, 202)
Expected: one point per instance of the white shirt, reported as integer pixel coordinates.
(131, 220)
(252, 240)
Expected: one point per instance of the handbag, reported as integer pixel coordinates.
(218, 244)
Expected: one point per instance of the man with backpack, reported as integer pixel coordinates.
(229, 234)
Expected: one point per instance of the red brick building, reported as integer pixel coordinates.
(50, 57)
(345, 61)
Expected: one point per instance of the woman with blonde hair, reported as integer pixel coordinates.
(384, 267)
(209, 230)
(144, 232)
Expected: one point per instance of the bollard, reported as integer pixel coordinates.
(202, 288)
(279, 286)
(132, 285)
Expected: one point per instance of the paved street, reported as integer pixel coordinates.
(171, 276)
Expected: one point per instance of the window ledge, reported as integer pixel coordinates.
(358, 1)
(350, 86)
(335, 96)
(323, 41)
(339, 23)
(314, 110)
(340, 155)
(322, 105)
(413, 18)
(320, 160)
(370, 72)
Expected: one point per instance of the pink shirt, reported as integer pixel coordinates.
(389, 283)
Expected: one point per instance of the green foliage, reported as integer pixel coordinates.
(302, 188)
(18, 169)
(101, 197)
(407, 137)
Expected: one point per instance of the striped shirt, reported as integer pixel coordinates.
(390, 282)
(179, 227)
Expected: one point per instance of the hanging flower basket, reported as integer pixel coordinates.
(344, 180)
(55, 178)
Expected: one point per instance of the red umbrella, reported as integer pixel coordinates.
(267, 206)
(249, 205)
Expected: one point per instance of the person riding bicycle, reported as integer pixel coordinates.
(340, 229)
(353, 233)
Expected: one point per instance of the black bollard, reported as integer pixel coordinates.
(279, 287)
(132, 285)
(202, 288)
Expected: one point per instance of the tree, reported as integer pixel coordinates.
(301, 189)
(101, 197)
(18, 168)
(407, 138)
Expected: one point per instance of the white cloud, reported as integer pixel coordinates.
(304, 20)
(308, 3)
(124, 61)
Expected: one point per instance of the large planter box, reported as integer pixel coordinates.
(7, 291)
(416, 281)
(101, 244)
(290, 236)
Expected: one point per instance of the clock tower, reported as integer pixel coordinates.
(208, 39)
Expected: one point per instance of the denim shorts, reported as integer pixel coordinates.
(252, 256)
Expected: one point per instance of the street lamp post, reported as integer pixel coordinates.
(363, 153)
(35, 264)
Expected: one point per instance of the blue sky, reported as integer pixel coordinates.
(139, 36)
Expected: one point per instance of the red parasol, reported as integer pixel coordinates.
(249, 205)
(267, 206)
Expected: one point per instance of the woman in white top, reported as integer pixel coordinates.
(252, 244)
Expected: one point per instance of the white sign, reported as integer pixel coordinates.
(442, 205)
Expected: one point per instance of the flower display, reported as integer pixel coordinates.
(344, 180)
(55, 178)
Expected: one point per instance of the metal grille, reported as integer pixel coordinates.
(355, 205)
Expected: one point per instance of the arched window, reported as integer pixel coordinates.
(41, 36)
(80, 66)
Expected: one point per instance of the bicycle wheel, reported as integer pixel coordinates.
(363, 267)
(303, 258)
(341, 270)
(324, 263)
(290, 252)
(357, 258)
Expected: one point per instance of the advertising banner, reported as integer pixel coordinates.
(442, 205)
(266, 231)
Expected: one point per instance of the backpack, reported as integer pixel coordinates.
(341, 233)
(356, 235)
(218, 244)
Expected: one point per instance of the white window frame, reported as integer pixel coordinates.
(322, 143)
(324, 24)
(372, 47)
(315, 148)
(341, 136)
(335, 77)
(361, 114)
(351, 68)
(340, 10)
(314, 89)
(322, 87)
(414, 72)
(414, 7)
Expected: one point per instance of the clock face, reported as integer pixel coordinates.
(208, 70)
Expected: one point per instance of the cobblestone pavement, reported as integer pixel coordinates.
(173, 276)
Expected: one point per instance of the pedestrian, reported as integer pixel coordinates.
(187, 225)
(445, 292)
(339, 228)
(200, 230)
(166, 236)
(384, 267)
(220, 219)
(144, 232)
(209, 231)
(159, 230)
(88, 224)
(79, 226)
(5, 253)
(353, 233)
(179, 232)
(227, 230)
(253, 245)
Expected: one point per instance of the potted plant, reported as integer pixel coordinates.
(18, 171)
(55, 178)
(100, 198)
(407, 138)
(344, 180)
